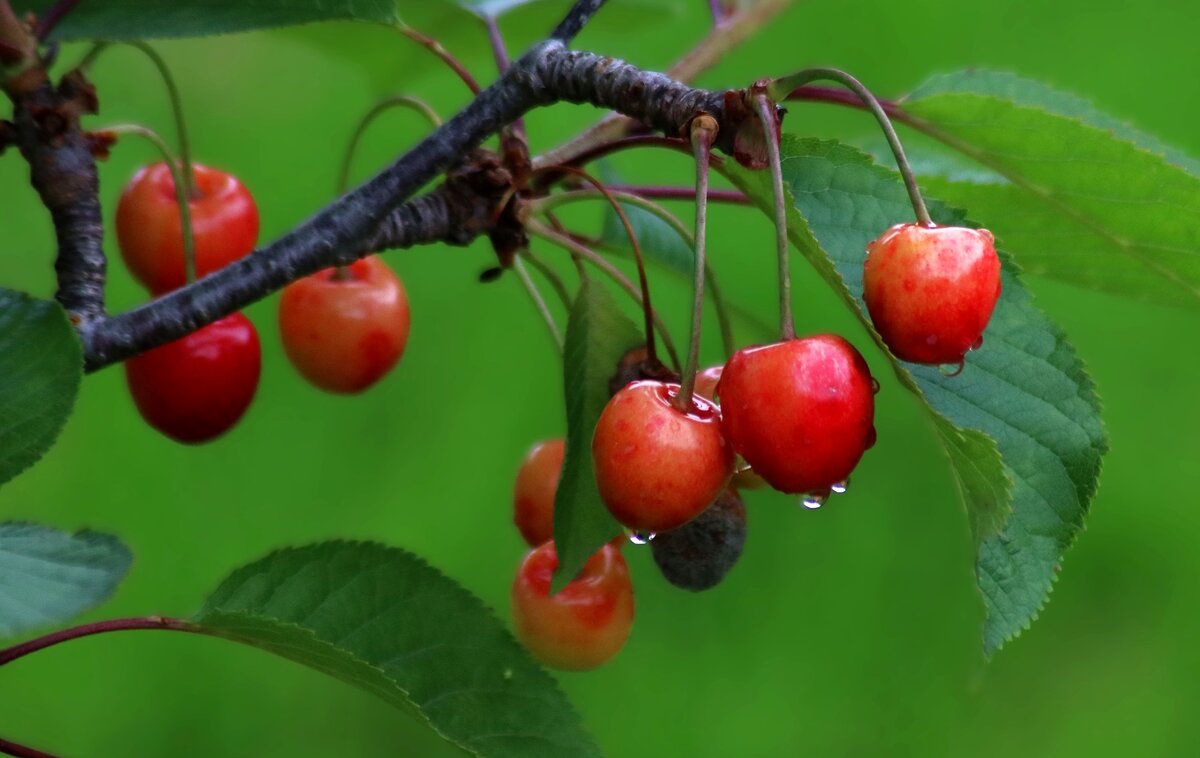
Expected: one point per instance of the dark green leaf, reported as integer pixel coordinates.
(41, 364)
(1021, 424)
(48, 576)
(598, 336)
(151, 19)
(1090, 200)
(382, 619)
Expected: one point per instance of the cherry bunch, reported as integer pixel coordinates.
(797, 415)
(342, 328)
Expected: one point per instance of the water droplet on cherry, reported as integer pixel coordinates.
(951, 370)
(839, 488)
(977, 343)
(812, 501)
(874, 386)
(641, 538)
(871, 439)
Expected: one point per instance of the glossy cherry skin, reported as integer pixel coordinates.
(657, 467)
(534, 490)
(197, 387)
(149, 232)
(585, 624)
(343, 330)
(800, 412)
(931, 290)
(744, 477)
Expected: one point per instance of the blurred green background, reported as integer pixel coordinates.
(853, 630)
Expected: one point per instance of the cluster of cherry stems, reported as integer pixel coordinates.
(796, 415)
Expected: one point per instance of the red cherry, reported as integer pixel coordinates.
(744, 477)
(149, 233)
(197, 387)
(931, 290)
(657, 467)
(534, 490)
(800, 412)
(586, 623)
(706, 382)
(343, 329)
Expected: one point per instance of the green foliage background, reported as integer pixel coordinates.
(851, 630)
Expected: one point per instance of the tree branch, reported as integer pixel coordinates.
(371, 217)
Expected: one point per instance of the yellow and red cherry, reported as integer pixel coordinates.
(586, 623)
(345, 328)
(534, 491)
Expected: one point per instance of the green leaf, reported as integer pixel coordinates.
(152, 19)
(598, 336)
(382, 619)
(48, 576)
(1090, 200)
(1020, 425)
(41, 365)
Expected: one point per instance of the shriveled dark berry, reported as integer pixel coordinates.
(699, 554)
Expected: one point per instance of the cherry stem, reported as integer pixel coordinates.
(547, 204)
(513, 135)
(539, 302)
(435, 47)
(21, 751)
(580, 251)
(181, 194)
(393, 101)
(655, 192)
(52, 17)
(550, 172)
(556, 282)
(766, 116)
(703, 134)
(644, 282)
(173, 95)
(718, 12)
(787, 85)
(8, 655)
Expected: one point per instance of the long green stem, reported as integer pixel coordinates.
(538, 301)
(393, 101)
(181, 194)
(583, 252)
(703, 133)
(782, 87)
(556, 282)
(766, 116)
(550, 202)
(173, 95)
(643, 280)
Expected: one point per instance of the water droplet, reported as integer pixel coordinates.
(741, 466)
(839, 488)
(871, 438)
(977, 343)
(951, 370)
(814, 500)
(641, 538)
(874, 386)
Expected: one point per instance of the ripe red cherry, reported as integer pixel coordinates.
(657, 467)
(149, 232)
(744, 477)
(586, 623)
(197, 387)
(343, 329)
(931, 290)
(800, 412)
(706, 382)
(534, 490)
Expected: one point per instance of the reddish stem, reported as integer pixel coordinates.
(838, 96)
(11, 654)
(50, 18)
(435, 47)
(553, 173)
(12, 748)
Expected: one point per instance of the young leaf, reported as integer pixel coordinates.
(598, 336)
(382, 619)
(48, 576)
(1021, 424)
(1091, 201)
(41, 365)
(152, 19)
